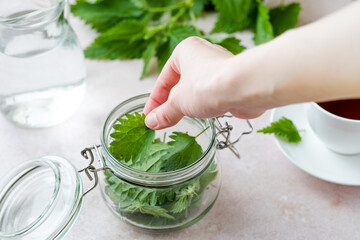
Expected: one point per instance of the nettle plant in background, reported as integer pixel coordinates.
(130, 29)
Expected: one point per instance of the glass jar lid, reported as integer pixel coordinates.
(40, 199)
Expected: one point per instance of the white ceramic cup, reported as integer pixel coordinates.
(341, 135)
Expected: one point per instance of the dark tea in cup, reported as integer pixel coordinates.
(343, 108)
(337, 124)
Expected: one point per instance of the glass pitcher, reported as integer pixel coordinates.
(42, 68)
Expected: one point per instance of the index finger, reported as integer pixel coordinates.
(167, 79)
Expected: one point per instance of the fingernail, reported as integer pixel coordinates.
(151, 120)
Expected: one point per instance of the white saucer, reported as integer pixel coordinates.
(311, 155)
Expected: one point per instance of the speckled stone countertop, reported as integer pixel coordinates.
(263, 195)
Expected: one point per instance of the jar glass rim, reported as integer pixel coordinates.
(31, 17)
(40, 198)
(15, 177)
(182, 173)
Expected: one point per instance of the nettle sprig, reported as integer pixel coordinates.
(284, 129)
(130, 29)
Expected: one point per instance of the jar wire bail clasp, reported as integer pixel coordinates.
(91, 171)
(225, 132)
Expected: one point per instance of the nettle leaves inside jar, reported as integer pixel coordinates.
(135, 146)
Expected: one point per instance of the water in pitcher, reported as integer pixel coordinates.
(42, 70)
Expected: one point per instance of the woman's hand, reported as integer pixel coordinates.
(317, 62)
(201, 80)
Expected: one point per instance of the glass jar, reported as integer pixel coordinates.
(165, 201)
(154, 202)
(40, 199)
(41, 63)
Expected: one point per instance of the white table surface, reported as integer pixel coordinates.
(263, 195)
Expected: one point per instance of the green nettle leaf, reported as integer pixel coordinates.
(123, 41)
(116, 49)
(154, 210)
(184, 198)
(234, 15)
(183, 151)
(207, 178)
(230, 43)
(136, 142)
(147, 55)
(163, 53)
(263, 28)
(198, 6)
(148, 159)
(106, 13)
(283, 128)
(180, 32)
(131, 138)
(177, 33)
(284, 17)
(124, 30)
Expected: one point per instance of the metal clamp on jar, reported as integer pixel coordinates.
(156, 202)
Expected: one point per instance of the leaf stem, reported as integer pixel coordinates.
(164, 137)
(194, 21)
(202, 131)
(178, 15)
(165, 9)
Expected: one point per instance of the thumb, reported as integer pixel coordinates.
(163, 116)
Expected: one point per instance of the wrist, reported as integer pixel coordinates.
(245, 84)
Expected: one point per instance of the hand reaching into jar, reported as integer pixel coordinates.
(317, 62)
